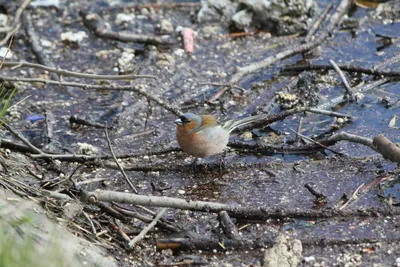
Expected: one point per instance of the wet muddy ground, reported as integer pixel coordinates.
(368, 236)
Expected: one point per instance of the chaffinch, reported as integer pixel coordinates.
(201, 136)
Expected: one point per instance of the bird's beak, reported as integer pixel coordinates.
(178, 122)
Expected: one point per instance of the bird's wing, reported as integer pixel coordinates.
(233, 124)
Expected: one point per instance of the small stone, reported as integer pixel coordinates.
(3, 20)
(124, 18)
(72, 37)
(46, 43)
(309, 259)
(126, 60)
(179, 52)
(166, 26)
(243, 19)
(340, 121)
(4, 53)
(86, 149)
(145, 11)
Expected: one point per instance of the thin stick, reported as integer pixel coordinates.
(342, 77)
(94, 180)
(236, 211)
(116, 162)
(62, 72)
(344, 67)
(299, 126)
(353, 197)
(318, 22)
(8, 50)
(20, 137)
(315, 142)
(147, 229)
(10, 34)
(173, 109)
(90, 222)
(21, 9)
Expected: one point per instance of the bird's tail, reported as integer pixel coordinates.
(233, 124)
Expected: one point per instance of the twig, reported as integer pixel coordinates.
(173, 109)
(118, 228)
(227, 225)
(236, 211)
(81, 121)
(316, 142)
(280, 116)
(343, 67)
(318, 22)
(62, 72)
(342, 77)
(34, 41)
(209, 244)
(20, 137)
(387, 148)
(96, 24)
(353, 197)
(16, 22)
(343, 136)
(49, 125)
(116, 162)
(110, 210)
(313, 192)
(222, 84)
(5, 143)
(147, 229)
(146, 219)
(56, 195)
(94, 180)
(21, 9)
(10, 34)
(156, 6)
(90, 222)
(387, 62)
(299, 126)
(8, 50)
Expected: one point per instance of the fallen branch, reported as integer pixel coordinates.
(147, 219)
(62, 72)
(228, 227)
(343, 67)
(209, 244)
(318, 22)
(142, 234)
(34, 41)
(116, 162)
(132, 88)
(11, 29)
(342, 77)
(236, 211)
(388, 149)
(280, 116)
(5, 143)
(96, 24)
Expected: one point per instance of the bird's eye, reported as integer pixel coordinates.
(184, 119)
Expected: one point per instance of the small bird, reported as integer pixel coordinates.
(201, 136)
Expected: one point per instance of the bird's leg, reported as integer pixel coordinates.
(222, 161)
(193, 165)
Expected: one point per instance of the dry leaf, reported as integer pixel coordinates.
(392, 121)
(366, 4)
